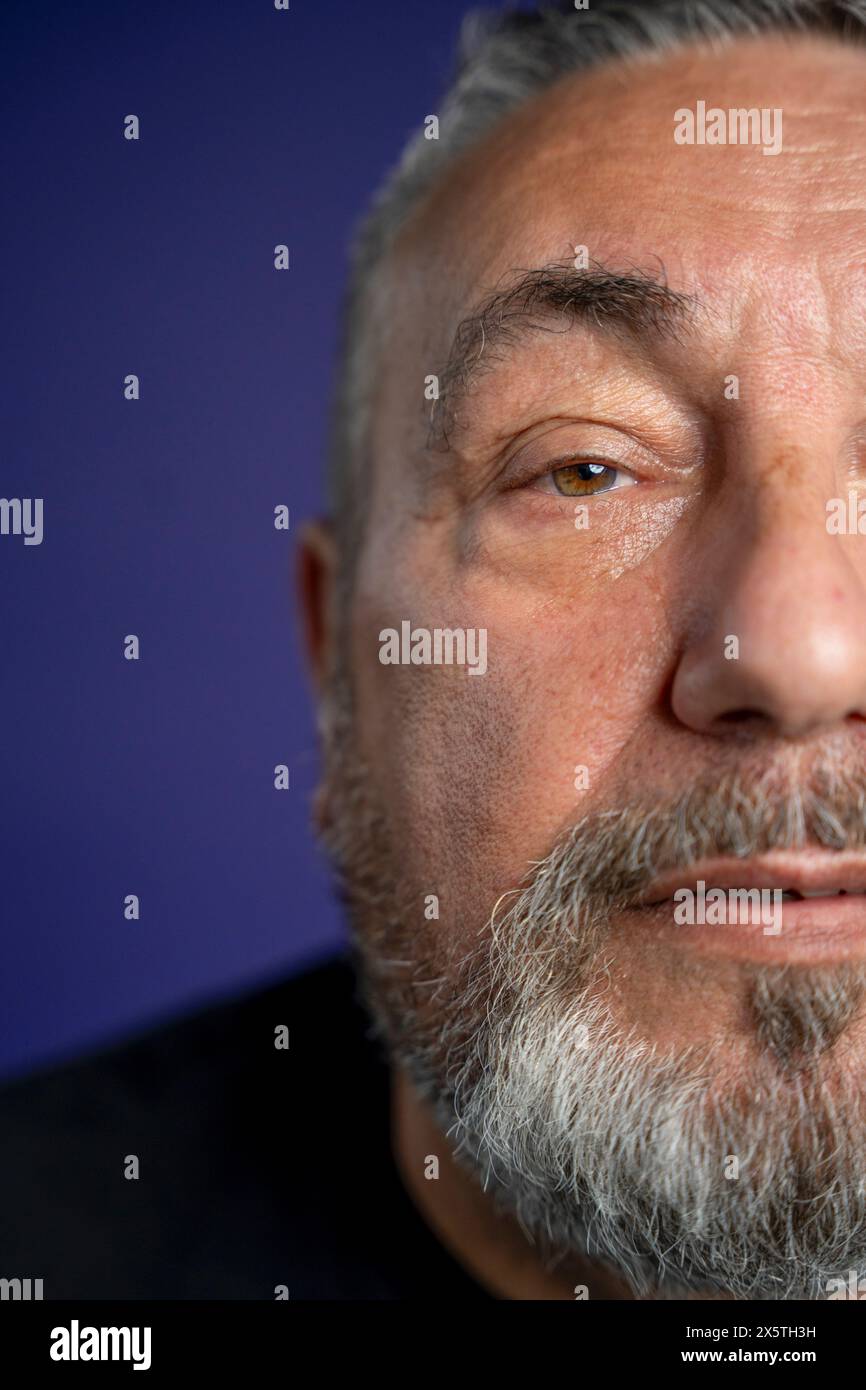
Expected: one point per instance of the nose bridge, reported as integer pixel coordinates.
(784, 571)
(784, 447)
(787, 420)
(789, 472)
(795, 579)
(781, 468)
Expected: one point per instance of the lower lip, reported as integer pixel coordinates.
(801, 930)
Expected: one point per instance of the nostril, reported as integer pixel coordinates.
(741, 716)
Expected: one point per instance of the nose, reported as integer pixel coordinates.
(778, 640)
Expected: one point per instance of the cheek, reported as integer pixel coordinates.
(481, 774)
(530, 541)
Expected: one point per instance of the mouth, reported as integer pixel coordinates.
(810, 905)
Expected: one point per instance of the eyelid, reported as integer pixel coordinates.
(543, 454)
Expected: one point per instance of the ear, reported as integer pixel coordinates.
(317, 576)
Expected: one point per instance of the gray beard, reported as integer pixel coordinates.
(599, 1144)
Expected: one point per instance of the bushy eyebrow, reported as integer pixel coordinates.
(607, 301)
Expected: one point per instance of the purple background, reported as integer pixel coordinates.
(156, 257)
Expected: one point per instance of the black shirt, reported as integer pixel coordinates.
(258, 1166)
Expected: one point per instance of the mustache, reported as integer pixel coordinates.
(611, 856)
(552, 936)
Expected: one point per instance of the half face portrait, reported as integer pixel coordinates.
(587, 627)
(437, 713)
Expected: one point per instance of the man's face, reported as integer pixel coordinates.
(636, 515)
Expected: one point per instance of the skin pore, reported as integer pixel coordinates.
(606, 645)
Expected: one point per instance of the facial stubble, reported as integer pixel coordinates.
(656, 1161)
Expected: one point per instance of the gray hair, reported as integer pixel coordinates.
(503, 60)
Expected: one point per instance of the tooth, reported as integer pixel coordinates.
(833, 893)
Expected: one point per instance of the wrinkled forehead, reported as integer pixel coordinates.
(594, 163)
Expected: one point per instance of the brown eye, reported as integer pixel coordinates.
(583, 479)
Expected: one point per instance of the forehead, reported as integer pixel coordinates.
(593, 162)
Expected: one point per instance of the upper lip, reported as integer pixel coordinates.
(815, 873)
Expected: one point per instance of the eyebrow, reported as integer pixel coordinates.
(633, 302)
